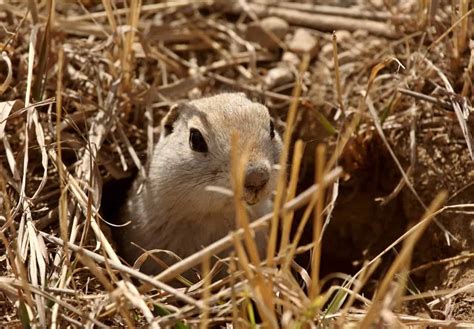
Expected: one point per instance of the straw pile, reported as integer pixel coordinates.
(83, 85)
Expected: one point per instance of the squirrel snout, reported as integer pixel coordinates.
(256, 177)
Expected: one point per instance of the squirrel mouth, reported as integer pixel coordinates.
(252, 197)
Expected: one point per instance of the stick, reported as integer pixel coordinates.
(322, 22)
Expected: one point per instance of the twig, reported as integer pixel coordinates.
(334, 10)
(427, 98)
(323, 22)
(144, 9)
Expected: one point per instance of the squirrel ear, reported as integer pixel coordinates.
(169, 119)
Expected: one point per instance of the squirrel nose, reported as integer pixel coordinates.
(256, 176)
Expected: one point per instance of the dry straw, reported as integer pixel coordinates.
(77, 80)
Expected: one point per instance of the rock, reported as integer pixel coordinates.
(303, 42)
(256, 31)
(278, 76)
(343, 36)
(291, 58)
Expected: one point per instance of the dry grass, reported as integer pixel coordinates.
(83, 86)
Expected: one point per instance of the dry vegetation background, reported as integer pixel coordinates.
(83, 85)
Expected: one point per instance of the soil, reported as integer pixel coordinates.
(362, 225)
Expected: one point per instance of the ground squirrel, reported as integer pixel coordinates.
(175, 209)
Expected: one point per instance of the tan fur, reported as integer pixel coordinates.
(175, 210)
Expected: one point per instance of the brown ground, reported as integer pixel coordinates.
(362, 225)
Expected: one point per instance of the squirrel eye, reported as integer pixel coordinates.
(272, 130)
(196, 141)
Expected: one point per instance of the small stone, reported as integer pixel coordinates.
(278, 76)
(357, 34)
(326, 50)
(343, 36)
(256, 31)
(303, 42)
(291, 58)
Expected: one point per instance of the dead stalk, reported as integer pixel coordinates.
(337, 74)
(288, 216)
(320, 160)
(281, 186)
